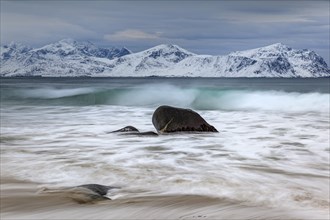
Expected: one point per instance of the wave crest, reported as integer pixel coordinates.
(197, 98)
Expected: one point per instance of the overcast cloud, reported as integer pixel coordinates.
(203, 27)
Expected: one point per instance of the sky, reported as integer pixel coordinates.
(200, 26)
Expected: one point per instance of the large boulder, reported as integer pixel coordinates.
(172, 119)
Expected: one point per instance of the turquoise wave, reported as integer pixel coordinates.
(201, 98)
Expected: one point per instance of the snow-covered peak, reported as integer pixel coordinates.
(273, 50)
(67, 45)
(62, 48)
(164, 53)
(15, 46)
(68, 57)
(69, 41)
(276, 46)
(168, 49)
(281, 60)
(13, 49)
(70, 47)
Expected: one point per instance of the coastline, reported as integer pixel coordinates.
(21, 200)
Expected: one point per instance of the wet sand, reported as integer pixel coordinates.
(23, 200)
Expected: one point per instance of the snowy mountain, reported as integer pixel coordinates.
(64, 58)
(71, 58)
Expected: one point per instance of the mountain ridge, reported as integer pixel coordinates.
(70, 58)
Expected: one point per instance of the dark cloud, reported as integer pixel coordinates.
(208, 27)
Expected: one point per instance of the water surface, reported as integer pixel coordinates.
(272, 149)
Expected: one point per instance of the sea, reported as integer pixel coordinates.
(272, 149)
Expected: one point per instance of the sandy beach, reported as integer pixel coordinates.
(23, 200)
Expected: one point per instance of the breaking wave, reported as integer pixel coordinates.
(163, 94)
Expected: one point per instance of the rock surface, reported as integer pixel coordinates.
(130, 130)
(126, 129)
(100, 190)
(168, 119)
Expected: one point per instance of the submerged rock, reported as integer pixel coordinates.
(127, 129)
(130, 130)
(147, 133)
(87, 193)
(171, 119)
(100, 190)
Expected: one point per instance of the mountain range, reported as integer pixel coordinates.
(69, 58)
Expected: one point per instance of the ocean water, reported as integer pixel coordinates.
(272, 149)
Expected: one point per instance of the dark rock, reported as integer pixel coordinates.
(172, 119)
(101, 190)
(127, 129)
(87, 193)
(148, 133)
(130, 130)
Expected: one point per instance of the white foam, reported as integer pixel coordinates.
(275, 101)
(264, 158)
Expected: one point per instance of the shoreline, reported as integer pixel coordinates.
(21, 200)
